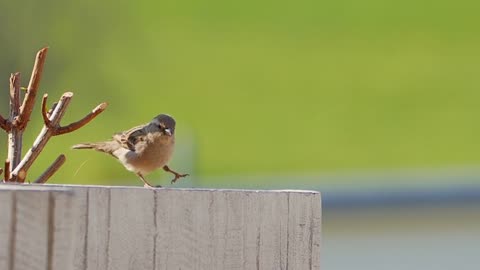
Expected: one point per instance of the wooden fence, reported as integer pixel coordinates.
(53, 227)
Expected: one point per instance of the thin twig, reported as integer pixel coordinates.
(15, 134)
(82, 122)
(6, 175)
(29, 100)
(45, 115)
(51, 170)
(43, 136)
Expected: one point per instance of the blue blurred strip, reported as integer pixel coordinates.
(380, 198)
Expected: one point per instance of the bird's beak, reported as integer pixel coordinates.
(168, 132)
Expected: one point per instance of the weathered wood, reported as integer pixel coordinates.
(35, 228)
(139, 228)
(62, 213)
(6, 233)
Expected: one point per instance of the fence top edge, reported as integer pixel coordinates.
(61, 187)
(33, 187)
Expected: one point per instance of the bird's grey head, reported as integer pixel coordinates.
(165, 123)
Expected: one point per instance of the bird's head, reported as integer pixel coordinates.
(164, 123)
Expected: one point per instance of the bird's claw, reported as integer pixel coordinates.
(178, 176)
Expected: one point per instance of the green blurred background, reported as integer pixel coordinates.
(257, 87)
(375, 103)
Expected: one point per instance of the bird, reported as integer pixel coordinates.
(142, 149)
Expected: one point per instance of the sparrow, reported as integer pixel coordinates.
(142, 149)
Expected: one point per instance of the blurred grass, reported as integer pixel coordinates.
(265, 87)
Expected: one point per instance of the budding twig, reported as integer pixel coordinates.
(51, 170)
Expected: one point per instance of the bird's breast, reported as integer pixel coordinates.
(153, 153)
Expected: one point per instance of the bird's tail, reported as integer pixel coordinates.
(108, 147)
(84, 146)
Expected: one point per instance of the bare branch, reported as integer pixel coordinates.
(51, 170)
(15, 134)
(6, 175)
(82, 122)
(29, 100)
(45, 134)
(45, 115)
(49, 113)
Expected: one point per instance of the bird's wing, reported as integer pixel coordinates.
(128, 139)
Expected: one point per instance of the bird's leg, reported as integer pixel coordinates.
(177, 175)
(146, 184)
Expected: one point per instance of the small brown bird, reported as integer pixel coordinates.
(142, 149)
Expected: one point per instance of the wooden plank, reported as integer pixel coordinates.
(98, 228)
(174, 230)
(7, 223)
(31, 230)
(35, 227)
(182, 240)
(227, 230)
(62, 227)
(80, 235)
(316, 230)
(272, 240)
(131, 240)
(303, 224)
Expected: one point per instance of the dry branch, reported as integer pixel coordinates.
(29, 100)
(51, 170)
(51, 128)
(82, 122)
(16, 168)
(43, 137)
(14, 134)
